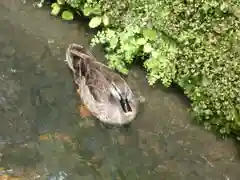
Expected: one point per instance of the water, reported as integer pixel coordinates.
(38, 99)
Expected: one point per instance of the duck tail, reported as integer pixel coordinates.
(77, 54)
(79, 59)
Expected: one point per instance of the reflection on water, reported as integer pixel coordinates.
(43, 137)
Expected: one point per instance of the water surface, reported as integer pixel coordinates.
(38, 98)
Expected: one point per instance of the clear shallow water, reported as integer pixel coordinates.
(37, 98)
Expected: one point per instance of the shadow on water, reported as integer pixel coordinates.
(42, 133)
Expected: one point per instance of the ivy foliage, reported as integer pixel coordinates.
(60, 7)
(193, 43)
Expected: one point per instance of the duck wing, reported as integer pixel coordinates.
(97, 82)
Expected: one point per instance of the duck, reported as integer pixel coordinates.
(102, 91)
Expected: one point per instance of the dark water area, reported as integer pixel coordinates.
(42, 135)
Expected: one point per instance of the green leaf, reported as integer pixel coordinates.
(54, 5)
(205, 81)
(97, 9)
(149, 34)
(141, 41)
(87, 11)
(61, 2)
(110, 33)
(55, 9)
(113, 42)
(224, 7)
(147, 48)
(205, 7)
(105, 20)
(95, 22)
(67, 15)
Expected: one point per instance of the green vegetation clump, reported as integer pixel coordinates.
(192, 43)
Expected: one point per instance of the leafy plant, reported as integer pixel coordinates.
(97, 20)
(92, 9)
(89, 8)
(57, 7)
